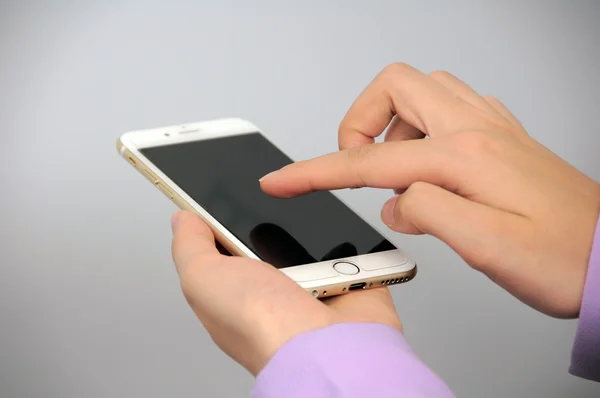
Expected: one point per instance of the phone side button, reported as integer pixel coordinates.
(150, 176)
(165, 190)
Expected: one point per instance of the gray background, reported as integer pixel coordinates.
(89, 300)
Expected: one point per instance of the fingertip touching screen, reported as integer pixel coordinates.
(222, 175)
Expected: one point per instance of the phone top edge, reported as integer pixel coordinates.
(187, 132)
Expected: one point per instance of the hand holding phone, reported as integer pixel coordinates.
(249, 307)
(255, 300)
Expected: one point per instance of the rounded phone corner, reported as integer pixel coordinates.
(120, 146)
(414, 270)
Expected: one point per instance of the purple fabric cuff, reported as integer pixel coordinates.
(585, 357)
(348, 360)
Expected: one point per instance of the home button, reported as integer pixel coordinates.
(346, 268)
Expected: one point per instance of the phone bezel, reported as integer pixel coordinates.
(320, 277)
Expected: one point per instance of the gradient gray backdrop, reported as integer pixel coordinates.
(89, 301)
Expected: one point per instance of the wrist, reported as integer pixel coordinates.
(274, 336)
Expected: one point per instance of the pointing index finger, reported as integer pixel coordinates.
(386, 165)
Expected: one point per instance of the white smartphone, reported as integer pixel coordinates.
(212, 168)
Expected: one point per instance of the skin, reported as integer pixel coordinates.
(249, 308)
(508, 206)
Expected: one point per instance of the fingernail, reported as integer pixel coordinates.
(266, 176)
(174, 221)
(387, 213)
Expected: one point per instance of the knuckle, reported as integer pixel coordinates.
(418, 188)
(357, 157)
(393, 71)
(346, 126)
(412, 198)
(343, 126)
(357, 154)
(440, 75)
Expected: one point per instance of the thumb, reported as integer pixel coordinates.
(478, 233)
(193, 241)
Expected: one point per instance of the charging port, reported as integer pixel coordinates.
(357, 286)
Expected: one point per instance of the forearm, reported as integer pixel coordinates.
(348, 360)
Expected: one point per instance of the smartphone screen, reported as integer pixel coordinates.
(222, 175)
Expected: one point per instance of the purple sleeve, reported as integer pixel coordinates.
(585, 358)
(345, 361)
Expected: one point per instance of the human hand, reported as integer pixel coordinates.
(508, 206)
(249, 308)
